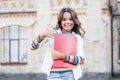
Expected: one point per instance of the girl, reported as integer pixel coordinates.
(68, 23)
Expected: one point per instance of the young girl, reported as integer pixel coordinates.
(68, 23)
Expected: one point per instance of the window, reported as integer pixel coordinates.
(13, 44)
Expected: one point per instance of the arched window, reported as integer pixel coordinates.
(13, 44)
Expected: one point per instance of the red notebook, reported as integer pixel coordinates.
(67, 44)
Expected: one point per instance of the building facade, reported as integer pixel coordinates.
(115, 19)
(22, 20)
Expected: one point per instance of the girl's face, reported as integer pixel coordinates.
(67, 23)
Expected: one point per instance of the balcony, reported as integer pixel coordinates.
(78, 5)
(9, 6)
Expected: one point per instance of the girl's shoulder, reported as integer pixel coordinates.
(79, 37)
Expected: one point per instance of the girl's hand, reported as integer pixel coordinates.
(57, 55)
(49, 32)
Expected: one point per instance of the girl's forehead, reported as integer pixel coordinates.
(66, 14)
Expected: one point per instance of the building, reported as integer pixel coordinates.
(22, 20)
(114, 6)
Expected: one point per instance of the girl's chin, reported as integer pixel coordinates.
(68, 29)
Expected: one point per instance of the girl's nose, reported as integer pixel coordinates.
(67, 21)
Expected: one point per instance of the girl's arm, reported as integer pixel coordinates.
(36, 42)
(79, 58)
(74, 59)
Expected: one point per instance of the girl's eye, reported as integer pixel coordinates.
(66, 19)
(63, 19)
(71, 19)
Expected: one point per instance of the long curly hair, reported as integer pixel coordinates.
(77, 24)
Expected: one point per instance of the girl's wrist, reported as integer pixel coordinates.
(63, 56)
(41, 37)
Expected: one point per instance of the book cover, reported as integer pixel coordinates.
(66, 44)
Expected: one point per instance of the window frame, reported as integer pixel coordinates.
(10, 40)
(118, 45)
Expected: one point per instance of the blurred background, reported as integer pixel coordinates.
(22, 20)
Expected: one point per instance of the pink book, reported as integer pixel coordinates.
(66, 44)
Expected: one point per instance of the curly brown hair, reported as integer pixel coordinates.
(77, 24)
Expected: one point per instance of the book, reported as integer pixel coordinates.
(66, 44)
